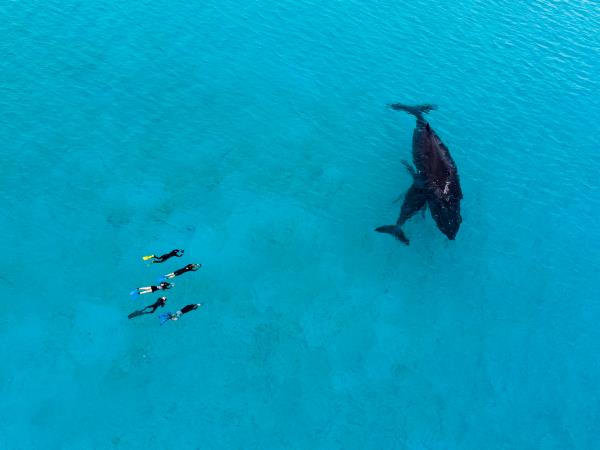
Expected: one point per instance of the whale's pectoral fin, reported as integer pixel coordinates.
(410, 168)
(413, 173)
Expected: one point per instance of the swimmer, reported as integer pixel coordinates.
(184, 310)
(159, 259)
(160, 303)
(188, 268)
(175, 316)
(149, 289)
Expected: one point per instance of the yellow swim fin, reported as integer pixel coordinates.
(146, 258)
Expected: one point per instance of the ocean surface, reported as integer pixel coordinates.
(255, 135)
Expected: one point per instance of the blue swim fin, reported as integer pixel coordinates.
(164, 317)
(161, 279)
(134, 293)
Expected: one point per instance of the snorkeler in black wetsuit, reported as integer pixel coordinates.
(184, 310)
(149, 289)
(159, 259)
(188, 268)
(161, 302)
(192, 307)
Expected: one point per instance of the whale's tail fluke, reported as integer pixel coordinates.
(394, 230)
(416, 110)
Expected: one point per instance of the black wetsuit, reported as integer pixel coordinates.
(188, 308)
(163, 258)
(160, 287)
(188, 268)
(158, 304)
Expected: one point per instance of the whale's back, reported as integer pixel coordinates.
(437, 165)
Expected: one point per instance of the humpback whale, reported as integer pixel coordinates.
(435, 179)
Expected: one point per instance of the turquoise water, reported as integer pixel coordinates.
(255, 135)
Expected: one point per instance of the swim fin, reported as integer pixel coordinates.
(134, 293)
(146, 258)
(164, 317)
(161, 279)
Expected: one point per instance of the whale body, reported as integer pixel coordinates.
(435, 179)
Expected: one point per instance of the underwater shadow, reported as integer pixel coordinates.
(138, 313)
